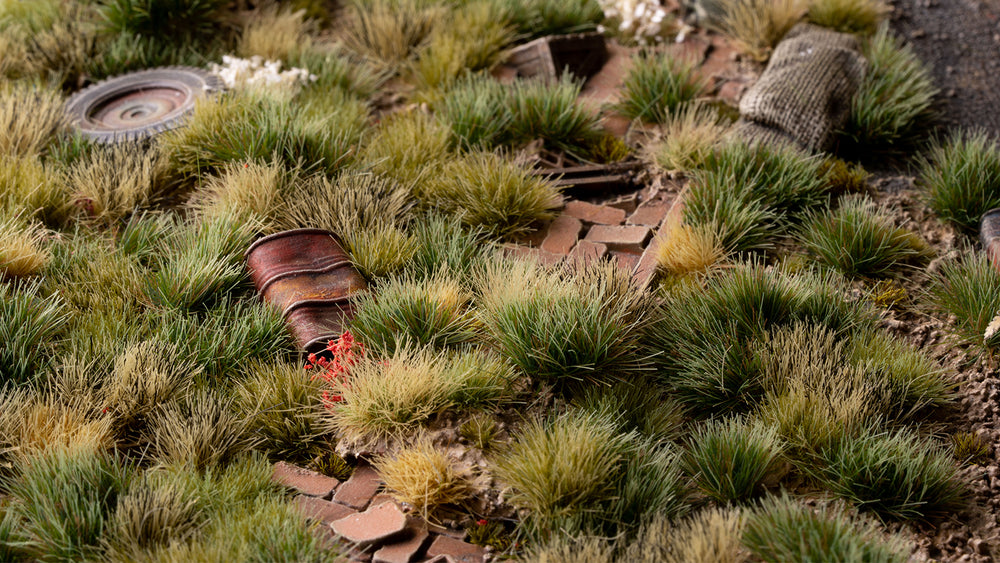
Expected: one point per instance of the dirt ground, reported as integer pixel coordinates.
(960, 40)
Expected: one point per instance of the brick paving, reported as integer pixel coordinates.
(367, 525)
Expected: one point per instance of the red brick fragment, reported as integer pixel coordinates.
(303, 480)
(374, 527)
(594, 214)
(459, 551)
(629, 238)
(358, 491)
(322, 510)
(406, 550)
(458, 534)
(731, 92)
(650, 213)
(587, 251)
(626, 260)
(563, 234)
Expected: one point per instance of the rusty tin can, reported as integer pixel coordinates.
(989, 235)
(306, 275)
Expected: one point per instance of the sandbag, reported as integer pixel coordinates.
(805, 93)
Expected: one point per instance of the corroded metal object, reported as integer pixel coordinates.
(308, 276)
(989, 235)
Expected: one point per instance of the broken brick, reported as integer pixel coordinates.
(303, 480)
(358, 491)
(650, 213)
(629, 238)
(375, 526)
(563, 234)
(587, 251)
(594, 214)
(458, 551)
(406, 550)
(322, 510)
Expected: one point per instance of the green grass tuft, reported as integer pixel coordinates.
(65, 497)
(28, 324)
(199, 432)
(555, 329)
(848, 16)
(433, 311)
(859, 238)
(969, 289)
(283, 405)
(657, 85)
(164, 19)
(781, 529)
(731, 459)
(898, 475)
(488, 192)
(892, 109)
(538, 18)
(962, 178)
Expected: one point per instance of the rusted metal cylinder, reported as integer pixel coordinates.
(306, 275)
(989, 235)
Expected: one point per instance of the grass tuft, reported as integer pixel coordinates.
(657, 85)
(28, 324)
(689, 135)
(424, 477)
(892, 109)
(276, 34)
(30, 118)
(731, 459)
(65, 497)
(898, 475)
(409, 147)
(433, 311)
(251, 126)
(555, 329)
(781, 529)
(23, 252)
(756, 26)
(969, 289)
(488, 192)
(685, 250)
(391, 30)
(538, 18)
(848, 16)
(198, 432)
(164, 19)
(283, 406)
(110, 184)
(560, 468)
(859, 238)
(144, 378)
(962, 178)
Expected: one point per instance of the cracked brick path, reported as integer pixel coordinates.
(368, 526)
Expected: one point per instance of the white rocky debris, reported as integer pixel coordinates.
(646, 21)
(255, 71)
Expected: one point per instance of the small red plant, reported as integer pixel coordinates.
(344, 351)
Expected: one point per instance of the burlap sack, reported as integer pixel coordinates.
(806, 90)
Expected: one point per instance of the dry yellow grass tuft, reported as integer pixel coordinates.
(689, 136)
(252, 191)
(425, 477)
(22, 250)
(687, 249)
(276, 34)
(29, 118)
(114, 182)
(48, 422)
(849, 16)
(711, 536)
(756, 26)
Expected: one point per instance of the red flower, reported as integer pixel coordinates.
(482, 522)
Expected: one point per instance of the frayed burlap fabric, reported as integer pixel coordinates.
(804, 96)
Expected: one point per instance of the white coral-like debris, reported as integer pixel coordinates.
(255, 71)
(992, 328)
(645, 21)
